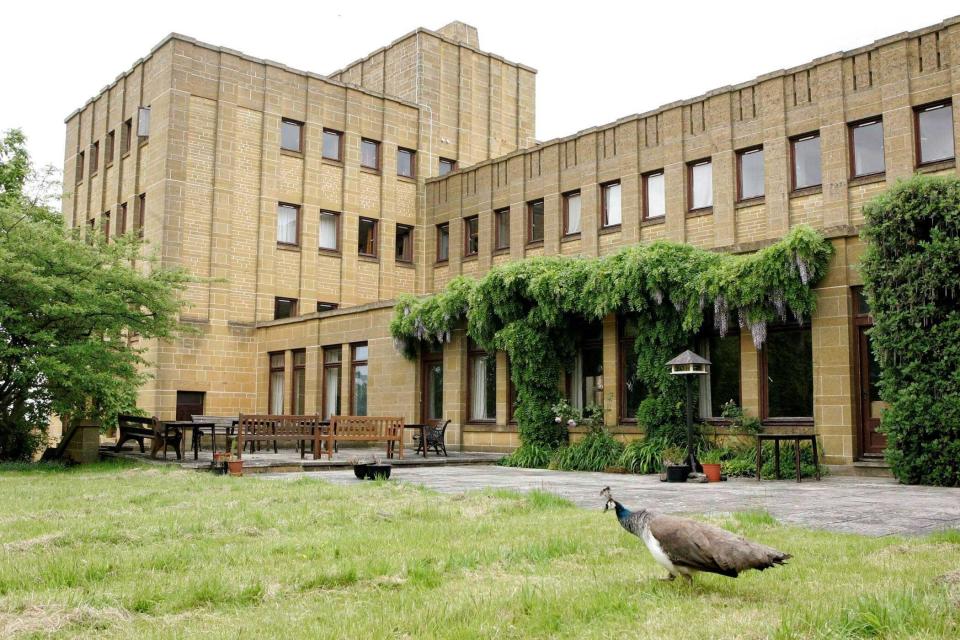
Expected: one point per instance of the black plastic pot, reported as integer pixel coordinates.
(677, 472)
(360, 470)
(378, 471)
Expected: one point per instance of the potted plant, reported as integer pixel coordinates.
(710, 461)
(359, 466)
(378, 470)
(674, 466)
(234, 465)
(219, 463)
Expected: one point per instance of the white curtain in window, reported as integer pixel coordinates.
(443, 251)
(331, 393)
(612, 195)
(573, 213)
(276, 392)
(328, 231)
(287, 224)
(478, 388)
(702, 186)
(656, 198)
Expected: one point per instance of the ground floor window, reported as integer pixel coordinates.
(722, 383)
(359, 366)
(433, 383)
(299, 382)
(277, 372)
(787, 373)
(483, 385)
(631, 389)
(585, 382)
(332, 357)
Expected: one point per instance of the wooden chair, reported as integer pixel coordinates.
(436, 435)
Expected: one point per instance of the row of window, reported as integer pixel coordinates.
(139, 213)
(934, 134)
(368, 233)
(291, 139)
(330, 382)
(109, 144)
(290, 307)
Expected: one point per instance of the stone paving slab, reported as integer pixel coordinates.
(868, 506)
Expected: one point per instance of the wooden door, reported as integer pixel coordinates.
(189, 403)
(872, 441)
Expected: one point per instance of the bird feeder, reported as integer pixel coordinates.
(688, 364)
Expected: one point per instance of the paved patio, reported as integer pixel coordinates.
(868, 506)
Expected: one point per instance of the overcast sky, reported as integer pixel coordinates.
(596, 61)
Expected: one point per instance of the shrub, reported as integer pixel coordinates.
(911, 271)
(597, 451)
(528, 455)
(643, 456)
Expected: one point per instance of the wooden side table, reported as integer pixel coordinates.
(777, 438)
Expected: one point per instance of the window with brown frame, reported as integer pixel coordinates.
(700, 185)
(482, 384)
(278, 366)
(805, 156)
(367, 241)
(447, 165)
(866, 148)
(94, 158)
(332, 362)
(443, 242)
(610, 204)
(654, 195)
(122, 219)
(139, 214)
(105, 225)
(79, 171)
(535, 221)
(933, 124)
(631, 389)
(750, 174)
(501, 229)
(108, 148)
(284, 308)
(786, 374)
(571, 213)
(126, 133)
(332, 145)
(404, 243)
(143, 124)
(329, 231)
(288, 224)
(722, 382)
(471, 236)
(299, 392)
(326, 306)
(359, 370)
(370, 154)
(291, 135)
(406, 162)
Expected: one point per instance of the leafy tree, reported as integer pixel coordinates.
(67, 308)
(911, 271)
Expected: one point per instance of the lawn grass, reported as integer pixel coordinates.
(119, 551)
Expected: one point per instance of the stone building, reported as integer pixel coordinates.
(309, 202)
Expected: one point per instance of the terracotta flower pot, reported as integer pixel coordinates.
(235, 467)
(712, 471)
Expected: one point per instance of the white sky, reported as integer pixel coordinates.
(596, 61)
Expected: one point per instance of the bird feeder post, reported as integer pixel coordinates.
(689, 364)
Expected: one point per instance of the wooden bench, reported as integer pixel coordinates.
(299, 429)
(366, 429)
(139, 428)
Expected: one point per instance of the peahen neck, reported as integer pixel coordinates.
(622, 512)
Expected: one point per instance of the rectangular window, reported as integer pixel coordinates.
(79, 172)
(299, 395)
(934, 131)
(806, 161)
(332, 358)
(585, 381)
(370, 154)
(571, 213)
(126, 133)
(432, 376)
(535, 221)
(122, 219)
(105, 225)
(332, 145)
(284, 308)
(404, 243)
(700, 180)
(787, 373)
(610, 201)
(443, 242)
(330, 230)
(482, 385)
(501, 228)
(94, 158)
(288, 224)
(471, 236)
(277, 371)
(866, 148)
(724, 375)
(140, 215)
(108, 149)
(406, 165)
(367, 238)
(291, 135)
(143, 123)
(631, 389)
(446, 166)
(358, 398)
(326, 306)
(750, 172)
(654, 196)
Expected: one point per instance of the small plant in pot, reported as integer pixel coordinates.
(370, 468)
(234, 464)
(675, 468)
(710, 461)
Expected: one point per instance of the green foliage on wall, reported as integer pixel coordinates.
(911, 270)
(532, 309)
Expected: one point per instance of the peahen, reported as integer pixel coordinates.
(685, 546)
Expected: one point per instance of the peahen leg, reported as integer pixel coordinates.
(670, 578)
